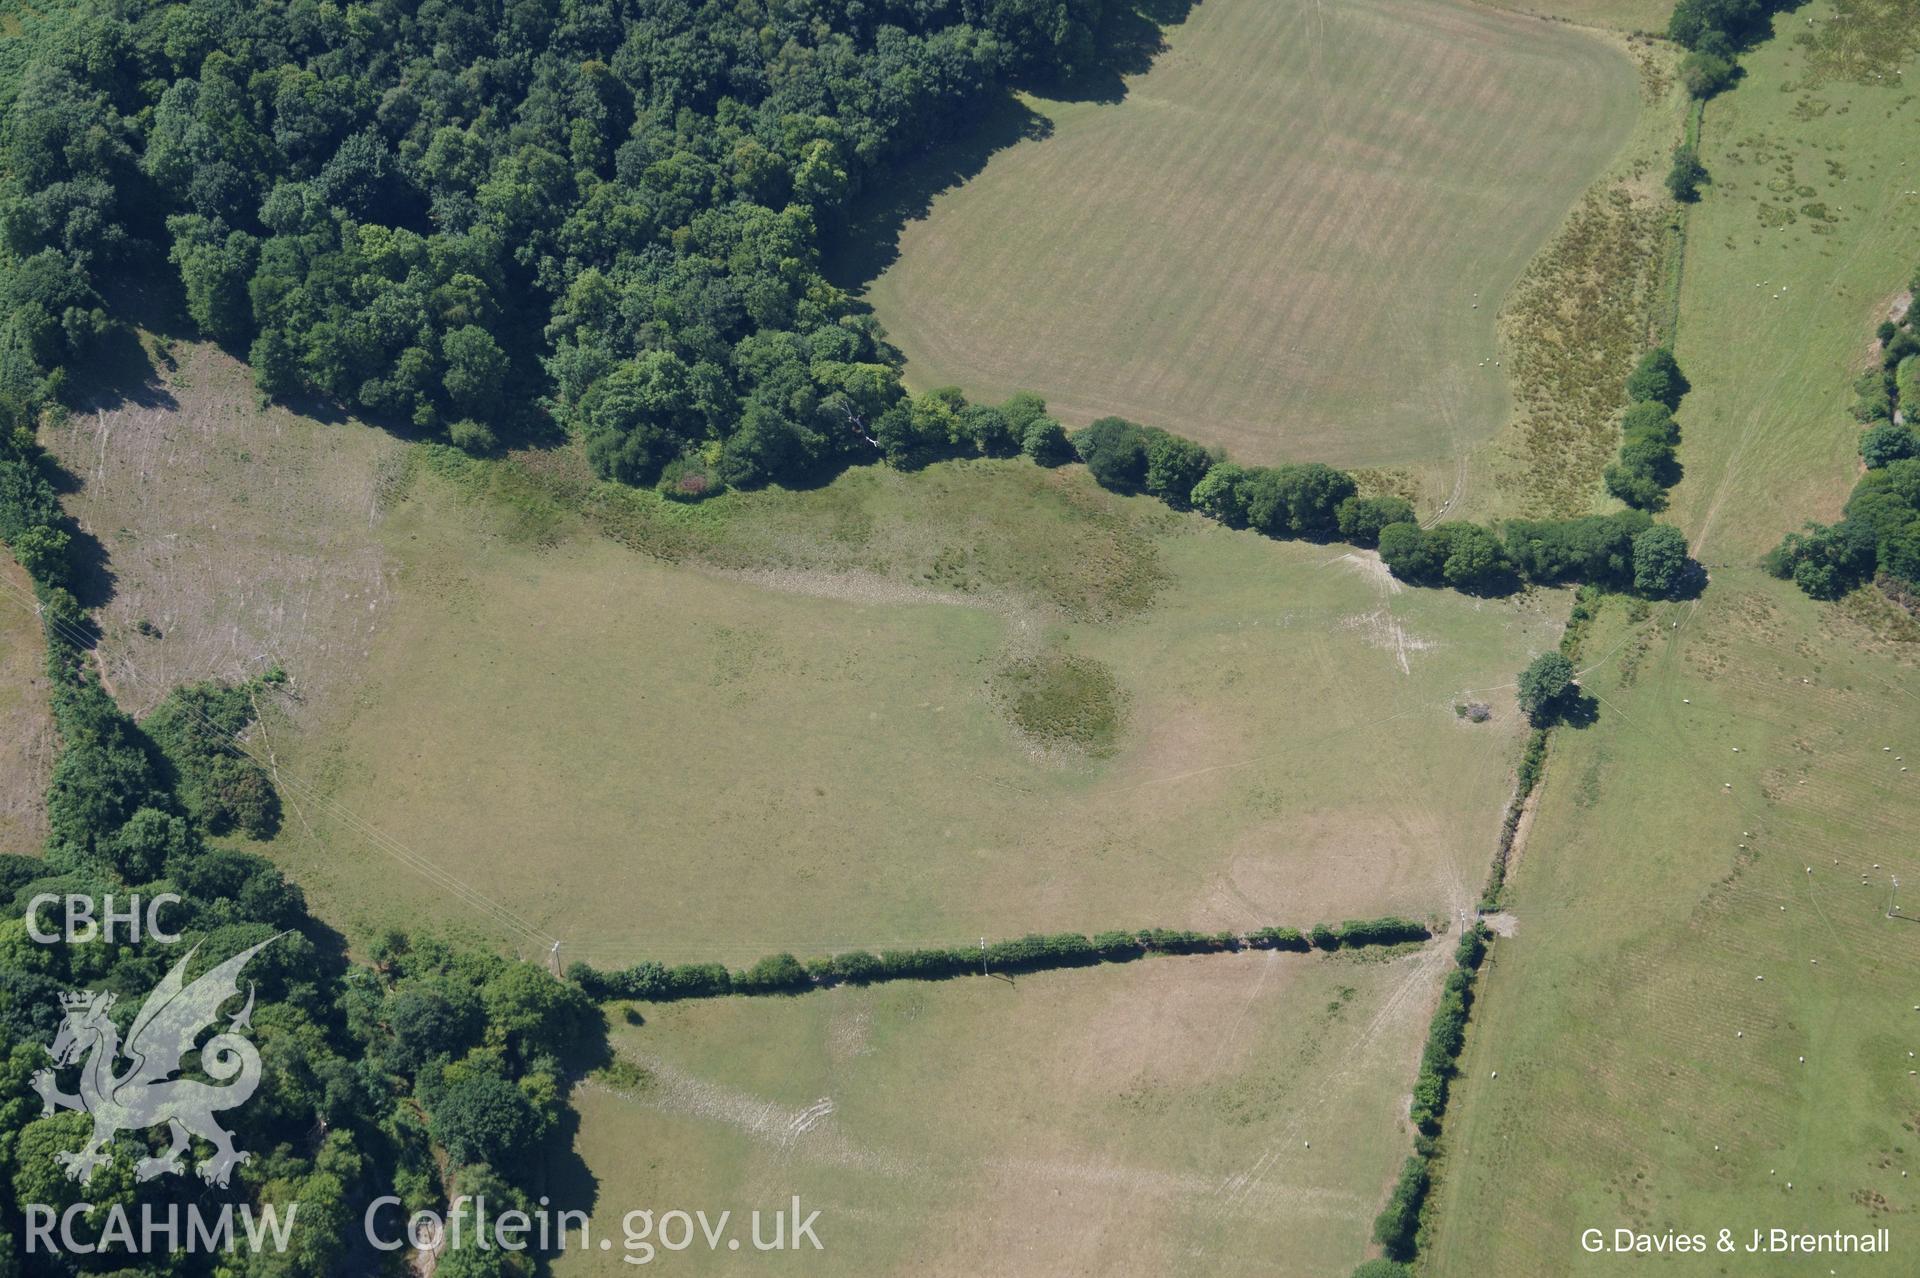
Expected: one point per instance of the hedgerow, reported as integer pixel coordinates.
(1625, 552)
(1398, 1224)
(1397, 1227)
(1382, 931)
(783, 973)
(1446, 1033)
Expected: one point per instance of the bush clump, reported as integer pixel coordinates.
(1059, 699)
(197, 728)
(689, 479)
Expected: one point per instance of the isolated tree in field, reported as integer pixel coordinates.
(1686, 175)
(1657, 378)
(1543, 685)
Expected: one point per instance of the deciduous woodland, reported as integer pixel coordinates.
(486, 221)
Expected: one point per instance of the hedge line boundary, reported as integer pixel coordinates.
(1397, 1227)
(782, 973)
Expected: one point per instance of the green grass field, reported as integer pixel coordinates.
(826, 726)
(1234, 1115)
(1812, 227)
(811, 733)
(1690, 1033)
(652, 760)
(1292, 237)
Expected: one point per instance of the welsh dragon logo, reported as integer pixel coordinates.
(146, 1094)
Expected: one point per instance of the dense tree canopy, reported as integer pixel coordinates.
(474, 218)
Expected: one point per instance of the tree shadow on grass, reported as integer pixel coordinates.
(90, 577)
(565, 1181)
(867, 242)
(1578, 709)
(1127, 45)
(92, 580)
(564, 1177)
(118, 371)
(1692, 581)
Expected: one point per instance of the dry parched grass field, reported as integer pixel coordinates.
(26, 723)
(655, 761)
(1220, 1116)
(1291, 238)
(808, 734)
(242, 538)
